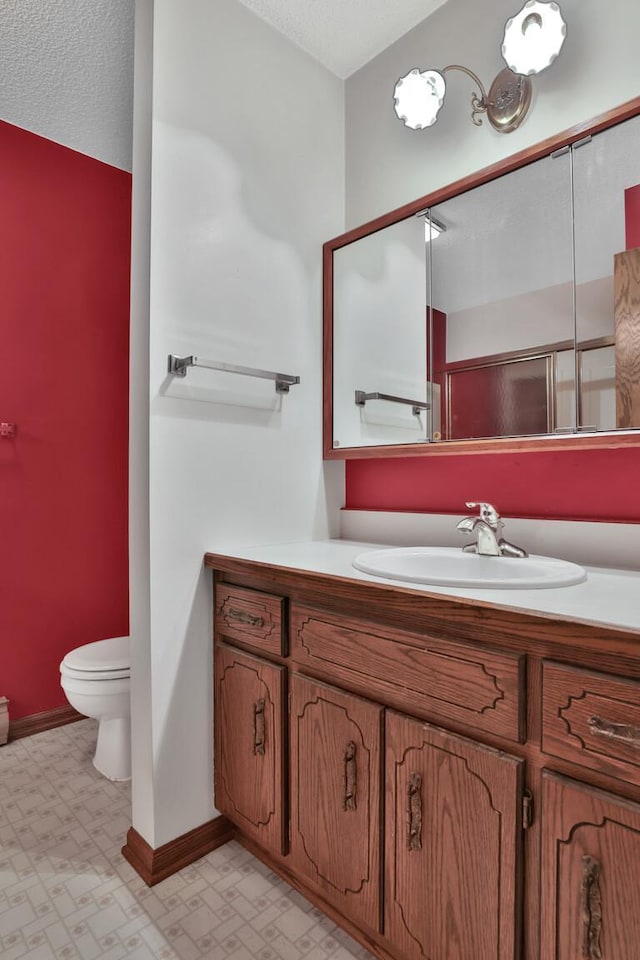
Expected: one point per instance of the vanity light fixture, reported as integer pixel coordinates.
(532, 41)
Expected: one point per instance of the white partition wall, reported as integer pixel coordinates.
(247, 158)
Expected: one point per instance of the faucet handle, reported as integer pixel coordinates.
(488, 513)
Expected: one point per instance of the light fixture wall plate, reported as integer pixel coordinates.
(508, 101)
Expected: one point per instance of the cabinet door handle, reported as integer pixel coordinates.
(591, 909)
(350, 777)
(615, 731)
(414, 812)
(242, 617)
(258, 727)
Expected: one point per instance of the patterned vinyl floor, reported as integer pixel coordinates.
(66, 892)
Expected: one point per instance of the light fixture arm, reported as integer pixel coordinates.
(478, 103)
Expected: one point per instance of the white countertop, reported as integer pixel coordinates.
(607, 597)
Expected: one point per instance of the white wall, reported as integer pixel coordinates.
(388, 165)
(66, 68)
(247, 182)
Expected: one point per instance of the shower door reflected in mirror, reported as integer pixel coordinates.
(380, 390)
(501, 282)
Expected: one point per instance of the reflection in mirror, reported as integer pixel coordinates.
(520, 317)
(607, 244)
(380, 339)
(501, 283)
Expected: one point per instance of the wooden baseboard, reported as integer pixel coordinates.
(374, 943)
(156, 865)
(39, 722)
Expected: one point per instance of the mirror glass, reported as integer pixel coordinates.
(606, 171)
(501, 285)
(380, 338)
(511, 309)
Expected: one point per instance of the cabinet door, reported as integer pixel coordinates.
(249, 756)
(335, 796)
(453, 839)
(591, 866)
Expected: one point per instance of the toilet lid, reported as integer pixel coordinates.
(109, 657)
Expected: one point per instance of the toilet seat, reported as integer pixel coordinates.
(100, 660)
(89, 675)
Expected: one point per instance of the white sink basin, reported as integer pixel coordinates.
(448, 566)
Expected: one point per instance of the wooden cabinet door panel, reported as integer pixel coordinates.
(453, 838)
(591, 866)
(335, 795)
(249, 734)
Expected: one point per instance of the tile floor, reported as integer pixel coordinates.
(66, 892)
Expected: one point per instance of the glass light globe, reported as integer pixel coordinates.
(533, 38)
(418, 98)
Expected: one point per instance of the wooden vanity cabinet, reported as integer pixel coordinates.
(335, 771)
(249, 734)
(591, 865)
(447, 780)
(453, 842)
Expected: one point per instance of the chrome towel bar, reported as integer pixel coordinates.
(178, 367)
(416, 405)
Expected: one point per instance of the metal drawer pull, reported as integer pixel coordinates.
(614, 731)
(242, 617)
(591, 909)
(350, 777)
(414, 812)
(258, 727)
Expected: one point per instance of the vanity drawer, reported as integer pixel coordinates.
(592, 719)
(441, 680)
(251, 617)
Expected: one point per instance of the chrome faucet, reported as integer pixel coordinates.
(488, 526)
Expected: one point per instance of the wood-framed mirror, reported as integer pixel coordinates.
(499, 312)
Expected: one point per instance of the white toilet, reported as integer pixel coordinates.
(96, 681)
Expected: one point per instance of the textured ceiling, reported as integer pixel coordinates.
(343, 34)
(66, 72)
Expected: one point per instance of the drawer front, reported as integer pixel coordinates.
(592, 719)
(443, 680)
(250, 616)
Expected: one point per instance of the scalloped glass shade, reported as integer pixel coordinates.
(533, 38)
(418, 98)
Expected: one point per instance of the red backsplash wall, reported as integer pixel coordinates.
(64, 276)
(580, 485)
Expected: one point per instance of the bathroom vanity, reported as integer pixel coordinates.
(446, 776)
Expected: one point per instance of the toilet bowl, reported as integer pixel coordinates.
(96, 682)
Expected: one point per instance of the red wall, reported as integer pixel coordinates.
(64, 325)
(580, 485)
